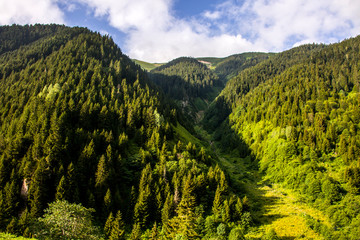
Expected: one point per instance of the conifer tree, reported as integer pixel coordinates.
(136, 232)
(226, 212)
(167, 209)
(154, 235)
(102, 172)
(61, 193)
(216, 208)
(117, 228)
(108, 225)
(107, 203)
(141, 210)
(185, 222)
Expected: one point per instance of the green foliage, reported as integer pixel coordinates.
(7, 236)
(271, 235)
(236, 234)
(117, 228)
(296, 114)
(189, 82)
(146, 65)
(231, 66)
(80, 122)
(63, 220)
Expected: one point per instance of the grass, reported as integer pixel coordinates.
(186, 137)
(272, 206)
(7, 236)
(147, 66)
(282, 211)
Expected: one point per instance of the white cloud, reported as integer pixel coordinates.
(30, 12)
(127, 15)
(212, 15)
(154, 33)
(279, 24)
(232, 27)
(104, 32)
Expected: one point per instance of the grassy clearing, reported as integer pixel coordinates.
(147, 66)
(282, 211)
(273, 207)
(6, 236)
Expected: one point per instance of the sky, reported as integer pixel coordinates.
(161, 30)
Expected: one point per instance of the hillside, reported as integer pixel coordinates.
(146, 65)
(229, 67)
(88, 137)
(189, 82)
(297, 115)
(79, 121)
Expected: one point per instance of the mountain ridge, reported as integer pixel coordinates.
(81, 122)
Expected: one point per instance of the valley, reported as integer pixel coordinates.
(274, 208)
(250, 146)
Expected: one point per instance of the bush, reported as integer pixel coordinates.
(63, 220)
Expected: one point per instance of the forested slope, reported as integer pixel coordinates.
(299, 114)
(79, 121)
(189, 82)
(231, 66)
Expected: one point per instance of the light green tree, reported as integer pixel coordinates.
(64, 220)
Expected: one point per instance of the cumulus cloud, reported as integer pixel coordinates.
(155, 33)
(30, 12)
(279, 24)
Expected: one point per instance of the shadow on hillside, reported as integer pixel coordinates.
(244, 176)
(262, 206)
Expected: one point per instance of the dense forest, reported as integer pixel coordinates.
(83, 131)
(229, 67)
(94, 147)
(191, 83)
(299, 114)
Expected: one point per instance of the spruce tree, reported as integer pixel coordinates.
(108, 225)
(141, 209)
(117, 228)
(185, 222)
(61, 193)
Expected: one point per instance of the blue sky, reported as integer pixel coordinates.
(161, 30)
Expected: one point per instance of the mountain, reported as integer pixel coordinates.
(79, 121)
(191, 83)
(87, 134)
(250, 78)
(297, 114)
(229, 67)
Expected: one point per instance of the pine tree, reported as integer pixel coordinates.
(107, 203)
(136, 232)
(72, 183)
(238, 208)
(216, 208)
(185, 222)
(102, 172)
(38, 192)
(154, 232)
(61, 193)
(117, 228)
(108, 225)
(226, 212)
(167, 209)
(141, 210)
